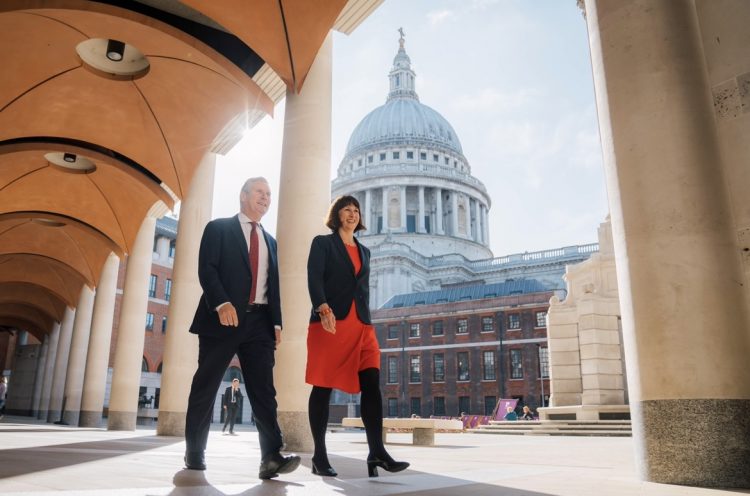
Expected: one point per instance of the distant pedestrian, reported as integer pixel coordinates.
(510, 414)
(231, 402)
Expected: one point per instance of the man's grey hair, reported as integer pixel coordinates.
(249, 183)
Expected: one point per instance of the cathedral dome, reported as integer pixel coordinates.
(403, 119)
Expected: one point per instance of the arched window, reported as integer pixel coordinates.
(233, 373)
(144, 365)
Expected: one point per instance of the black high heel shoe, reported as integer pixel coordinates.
(325, 472)
(391, 465)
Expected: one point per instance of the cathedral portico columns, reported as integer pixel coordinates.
(39, 376)
(181, 347)
(49, 372)
(367, 214)
(678, 265)
(420, 212)
(467, 212)
(126, 373)
(439, 211)
(97, 359)
(454, 213)
(77, 359)
(61, 366)
(402, 204)
(304, 198)
(385, 210)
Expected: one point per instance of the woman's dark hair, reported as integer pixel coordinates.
(332, 219)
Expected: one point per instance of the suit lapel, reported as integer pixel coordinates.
(236, 229)
(341, 249)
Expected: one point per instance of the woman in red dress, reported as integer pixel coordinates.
(342, 350)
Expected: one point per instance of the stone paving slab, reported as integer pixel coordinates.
(38, 459)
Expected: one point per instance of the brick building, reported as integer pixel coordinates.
(462, 349)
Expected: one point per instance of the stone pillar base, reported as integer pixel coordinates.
(90, 419)
(53, 415)
(295, 427)
(121, 421)
(71, 418)
(694, 442)
(423, 437)
(171, 424)
(42, 414)
(585, 412)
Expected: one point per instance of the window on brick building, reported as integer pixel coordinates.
(488, 366)
(393, 331)
(544, 362)
(416, 406)
(414, 330)
(464, 405)
(167, 289)
(514, 321)
(462, 326)
(415, 368)
(163, 325)
(516, 364)
(489, 405)
(462, 362)
(541, 319)
(149, 321)
(488, 324)
(172, 246)
(437, 328)
(392, 370)
(438, 367)
(438, 407)
(392, 407)
(152, 286)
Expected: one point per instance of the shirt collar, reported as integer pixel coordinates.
(244, 219)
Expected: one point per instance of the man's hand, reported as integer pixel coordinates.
(228, 315)
(278, 335)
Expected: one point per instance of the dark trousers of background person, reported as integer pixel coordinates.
(254, 343)
(231, 417)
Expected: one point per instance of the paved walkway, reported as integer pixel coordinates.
(40, 459)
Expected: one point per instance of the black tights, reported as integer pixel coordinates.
(372, 416)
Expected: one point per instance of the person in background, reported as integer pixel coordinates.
(527, 415)
(510, 414)
(342, 350)
(231, 402)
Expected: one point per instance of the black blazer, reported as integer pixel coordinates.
(224, 274)
(226, 400)
(331, 278)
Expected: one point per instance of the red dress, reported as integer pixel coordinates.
(333, 360)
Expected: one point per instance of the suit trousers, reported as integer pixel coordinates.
(254, 344)
(231, 416)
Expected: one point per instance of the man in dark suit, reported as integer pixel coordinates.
(231, 401)
(239, 313)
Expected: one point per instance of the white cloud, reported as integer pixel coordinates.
(493, 100)
(437, 17)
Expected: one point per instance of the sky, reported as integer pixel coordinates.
(513, 77)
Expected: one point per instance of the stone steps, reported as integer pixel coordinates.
(610, 428)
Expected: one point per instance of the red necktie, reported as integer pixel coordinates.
(253, 254)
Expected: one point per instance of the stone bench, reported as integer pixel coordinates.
(423, 429)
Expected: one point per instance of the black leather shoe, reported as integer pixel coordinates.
(195, 460)
(276, 464)
(326, 471)
(386, 463)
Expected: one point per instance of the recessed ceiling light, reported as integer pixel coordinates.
(115, 50)
(70, 162)
(112, 58)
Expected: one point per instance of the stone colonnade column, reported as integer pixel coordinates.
(420, 211)
(181, 347)
(303, 201)
(678, 263)
(367, 214)
(61, 366)
(77, 359)
(126, 374)
(454, 213)
(402, 204)
(468, 216)
(439, 211)
(97, 360)
(385, 209)
(49, 371)
(39, 376)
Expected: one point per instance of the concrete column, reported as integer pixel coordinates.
(385, 209)
(181, 347)
(367, 214)
(420, 212)
(304, 198)
(467, 211)
(97, 360)
(485, 226)
(402, 205)
(439, 211)
(39, 376)
(162, 248)
(49, 371)
(678, 261)
(61, 366)
(77, 359)
(454, 213)
(126, 375)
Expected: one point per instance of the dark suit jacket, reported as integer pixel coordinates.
(226, 400)
(331, 278)
(224, 273)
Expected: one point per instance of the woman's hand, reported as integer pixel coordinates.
(327, 318)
